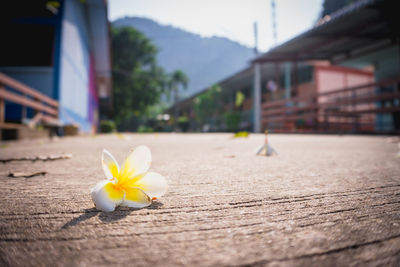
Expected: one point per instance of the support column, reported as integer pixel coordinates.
(295, 89)
(277, 81)
(287, 73)
(257, 98)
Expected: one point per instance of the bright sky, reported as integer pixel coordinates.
(233, 19)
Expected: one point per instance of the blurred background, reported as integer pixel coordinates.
(87, 66)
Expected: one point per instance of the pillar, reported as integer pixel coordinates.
(257, 98)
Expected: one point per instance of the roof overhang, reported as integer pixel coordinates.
(362, 27)
(100, 36)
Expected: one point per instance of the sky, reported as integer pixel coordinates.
(233, 19)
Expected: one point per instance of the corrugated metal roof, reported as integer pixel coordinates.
(365, 23)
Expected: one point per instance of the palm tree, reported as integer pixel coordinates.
(177, 81)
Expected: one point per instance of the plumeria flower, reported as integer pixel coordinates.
(132, 185)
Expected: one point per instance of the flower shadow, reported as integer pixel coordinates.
(122, 212)
(155, 205)
(88, 213)
(118, 214)
(107, 217)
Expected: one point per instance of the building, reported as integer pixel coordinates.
(60, 49)
(363, 35)
(342, 75)
(277, 85)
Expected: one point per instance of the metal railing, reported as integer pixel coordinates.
(353, 109)
(44, 107)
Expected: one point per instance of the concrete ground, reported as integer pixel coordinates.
(323, 201)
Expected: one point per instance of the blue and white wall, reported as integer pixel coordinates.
(80, 62)
(74, 65)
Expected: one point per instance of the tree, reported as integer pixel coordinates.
(208, 104)
(177, 81)
(137, 79)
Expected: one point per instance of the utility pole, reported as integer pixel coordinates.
(255, 38)
(257, 71)
(273, 17)
(257, 87)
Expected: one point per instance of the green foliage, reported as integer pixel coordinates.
(154, 110)
(208, 104)
(107, 126)
(137, 79)
(183, 123)
(183, 119)
(176, 82)
(178, 78)
(145, 129)
(232, 120)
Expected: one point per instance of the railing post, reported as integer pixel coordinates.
(314, 104)
(2, 107)
(24, 114)
(287, 81)
(356, 126)
(2, 112)
(35, 111)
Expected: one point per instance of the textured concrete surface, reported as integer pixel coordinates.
(323, 201)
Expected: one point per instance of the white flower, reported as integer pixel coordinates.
(132, 186)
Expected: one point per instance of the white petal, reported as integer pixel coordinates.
(136, 163)
(153, 184)
(110, 165)
(106, 197)
(136, 198)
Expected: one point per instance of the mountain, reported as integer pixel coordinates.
(205, 60)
